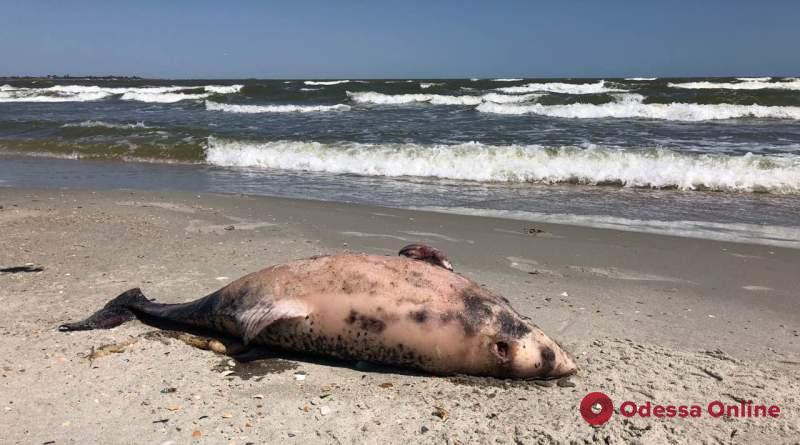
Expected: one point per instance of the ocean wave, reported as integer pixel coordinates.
(23, 96)
(506, 80)
(398, 99)
(91, 123)
(425, 85)
(754, 79)
(631, 106)
(86, 93)
(750, 84)
(223, 89)
(233, 108)
(734, 232)
(641, 79)
(563, 88)
(436, 99)
(654, 168)
(325, 82)
(310, 89)
(147, 96)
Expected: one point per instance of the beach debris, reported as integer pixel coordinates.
(227, 415)
(221, 278)
(712, 373)
(300, 376)
(565, 383)
(173, 407)
(161, 421)
(197, 434)
(533, 230)
(25, 268)
(229, 227)
(424, 429)
(169, 390)
(441, 413)
(258, 396)
(386, 385)
(325, 410)
(564, 294)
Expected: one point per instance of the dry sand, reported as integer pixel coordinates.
(649, 318)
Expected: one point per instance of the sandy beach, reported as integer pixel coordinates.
(654, 318)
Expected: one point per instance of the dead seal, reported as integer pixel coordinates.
(397, 311)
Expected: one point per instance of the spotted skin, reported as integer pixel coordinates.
(388, 310)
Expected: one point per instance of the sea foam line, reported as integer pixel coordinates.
(563, 88)
(744, 84)
(632, 106)
(436, 99)
(325, 82)
(655, 168)
(233, 108)
(86, 93)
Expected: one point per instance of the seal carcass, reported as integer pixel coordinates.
(406, 311)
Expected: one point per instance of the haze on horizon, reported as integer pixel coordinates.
(447, 39)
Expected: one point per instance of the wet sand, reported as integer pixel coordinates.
(649, 318)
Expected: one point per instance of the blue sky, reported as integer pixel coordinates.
(399, 39)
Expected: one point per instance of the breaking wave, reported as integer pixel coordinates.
(437, 99)
(641, 79)
(744, 84)
(325, 82)
(563, 88)
(632, 106)
(223, 89)
(654, 168)
(232, 108)
(165, 98)
(86, 93)
(506, 80)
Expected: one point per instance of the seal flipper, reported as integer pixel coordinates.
(265, 312)
(427, 254)
(113, 314)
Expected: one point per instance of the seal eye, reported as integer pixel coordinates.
(501, 350)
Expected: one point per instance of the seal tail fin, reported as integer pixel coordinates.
(114, 313)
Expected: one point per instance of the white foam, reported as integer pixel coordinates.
(563, 88)
(754, 79)
(85, 93)
(325, 82)
(233, 108)
(436, 99)
(23, 96)
(425, 85)
(310, 89)
(147, 96)
(641, 79)
(91, 123)
(223, 89)
(506, 80)
(736, 232)
(398, 99)
(657, 168)
(631, 106)
(750, 84)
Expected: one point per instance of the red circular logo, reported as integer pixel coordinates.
(592, 400)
